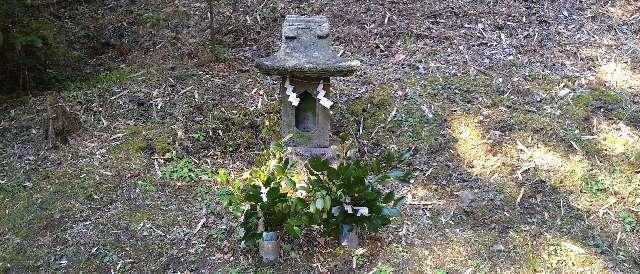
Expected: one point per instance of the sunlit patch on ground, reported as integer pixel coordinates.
(619, 75)
(617, 138)
(624, 10)
(473, 146)
(560, 170)
(568, 256)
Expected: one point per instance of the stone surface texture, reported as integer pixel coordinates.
(306, 51)
(318, 137)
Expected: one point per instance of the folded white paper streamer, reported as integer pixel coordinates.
(293, 97)
(323, 101)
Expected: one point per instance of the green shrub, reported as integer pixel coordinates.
(354, 189)
(267, 195)
(350, 193)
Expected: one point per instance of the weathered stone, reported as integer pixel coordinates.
(305, 61)
(467, 198)
(306, 51)
(308, 122)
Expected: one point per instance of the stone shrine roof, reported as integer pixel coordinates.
(306, 51)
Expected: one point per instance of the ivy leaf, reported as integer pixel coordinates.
(318, 164)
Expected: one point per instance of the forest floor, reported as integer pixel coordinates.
(524, 117)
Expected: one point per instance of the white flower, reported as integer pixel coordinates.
(348, 208)
(263, 193)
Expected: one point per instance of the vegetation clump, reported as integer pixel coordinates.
(352, 191)
(268, 198)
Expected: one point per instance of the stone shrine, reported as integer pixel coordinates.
(306, 62)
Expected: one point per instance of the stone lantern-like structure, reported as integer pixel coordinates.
(306, 62)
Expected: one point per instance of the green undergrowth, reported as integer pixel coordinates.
(55, 201)
(381, 118)
(184, 169)
(92, 87)
(242, 129)
(582, 105)
(150, 138)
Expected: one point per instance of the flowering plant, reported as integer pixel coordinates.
(266, 199)
(351, 193)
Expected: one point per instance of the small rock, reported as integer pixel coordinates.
(467, 198)
(497, 248)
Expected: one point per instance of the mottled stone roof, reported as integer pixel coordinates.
(306, 51)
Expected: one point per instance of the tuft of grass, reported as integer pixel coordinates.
(204, 199)
(199, 136)
(181, 169)
(583, 104)
(358, 257)
(11, 187)
(383, 269)
(575, 138)
(220, 53)
(162, 145)
(91, 87)
(596, 187)
(217, 235)
(146, 186)
(628, 221)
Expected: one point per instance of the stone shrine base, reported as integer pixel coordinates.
(305, 153)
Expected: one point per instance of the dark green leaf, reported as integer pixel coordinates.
(405, 155)
(290, 183)
(388, 198)
(273, 193)
(318, 164)
(252, 194)
(399, 202)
